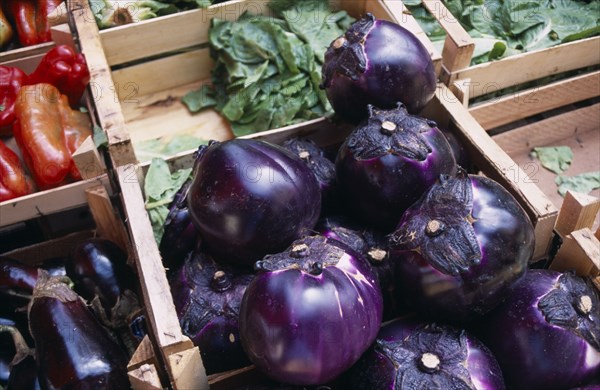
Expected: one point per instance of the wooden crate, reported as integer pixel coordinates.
(136, 105)
(87, 158)
(155, 106)
(470, 82)
(108, 224)
(445, 109)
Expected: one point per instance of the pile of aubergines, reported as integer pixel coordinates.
(379, 263)
(71, 322)
(384, 262)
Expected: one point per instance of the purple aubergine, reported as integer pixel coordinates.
(72, 349)
(322, 167)
(411, 354)
(207, 298)
(24, 375)
(460, 247)
(387, 162)
(304, 306)
(374, 247)
(98, 267)
(379, 63)
(180, 234)
(250, 198)
(16, 284)
(546, 335)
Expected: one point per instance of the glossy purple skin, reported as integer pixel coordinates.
(98, 267)
(208, 310)
(398, 68)
(484, 249)
(73, 350)
(180, 234)
(377, 189)
(377, 368)
(296, 324)
(250, 198)
(533, 353)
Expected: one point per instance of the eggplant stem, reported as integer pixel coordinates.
(434, 228)
(220, 282)
(388, 127)
(300, 250)
(585, 304)
(21, 347)
(377, 254)
(338, 43)
(429, 362)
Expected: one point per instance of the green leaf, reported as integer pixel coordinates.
(583, 183)
(2, 107)
(160, 187)
(554, 158)
(100, 137)
(199, 99)
(148, 149)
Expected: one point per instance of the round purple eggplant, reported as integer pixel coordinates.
(460, 247)
(377, 62)
(250, 198)
(411, 354)
(546, 336)
(303, 308)
(322, 167)
(387, 162)
(207, 299)
(72, 349)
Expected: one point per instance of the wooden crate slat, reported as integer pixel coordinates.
(48, 202)
(107, 106)
(164, 73)
(519, 105)
(519, 68)
(550, 131)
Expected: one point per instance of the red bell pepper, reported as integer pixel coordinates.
(65, 69)
(77, 126)
(40, 136)
(13, 181)
(30, 17)
(11, 80)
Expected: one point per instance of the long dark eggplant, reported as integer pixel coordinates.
(101, 275)
(16, 285)
(72, 349)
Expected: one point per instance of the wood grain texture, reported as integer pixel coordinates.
(523, 104)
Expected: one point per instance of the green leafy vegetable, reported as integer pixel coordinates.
(582, 183)
(160, 187)
(554, 158)
(267, 69)
(501, 28)
(152, 148)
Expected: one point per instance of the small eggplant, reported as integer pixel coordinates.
(16, 284)
(387, 163)
(101, 275)
(546, 336)
(72, 349)
(310, 311)
(207, 298)
(411, 354)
